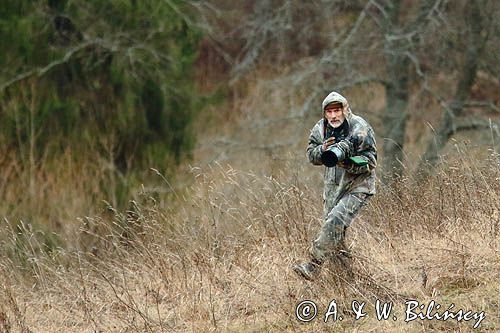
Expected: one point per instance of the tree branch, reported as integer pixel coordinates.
(474, 123)
(39, 72)
(482, 104)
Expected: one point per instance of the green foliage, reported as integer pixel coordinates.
(117, 70)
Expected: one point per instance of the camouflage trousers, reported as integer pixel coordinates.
(331, 236)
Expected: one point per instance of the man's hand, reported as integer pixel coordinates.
(330, 141)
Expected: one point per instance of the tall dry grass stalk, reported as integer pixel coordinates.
(220, 259)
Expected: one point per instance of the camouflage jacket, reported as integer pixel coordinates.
(346, 177)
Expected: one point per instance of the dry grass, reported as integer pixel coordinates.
(220, 261)
(216, 255)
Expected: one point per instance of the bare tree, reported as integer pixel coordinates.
(398, 45)
(376, 46)
(477, 26)
(401, 35)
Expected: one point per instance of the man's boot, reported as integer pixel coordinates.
(308, 270)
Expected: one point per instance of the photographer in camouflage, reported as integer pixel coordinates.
(345, 144)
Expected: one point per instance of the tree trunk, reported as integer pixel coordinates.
(398, 47)
(395, 117)
(467, 75)
(396, 96)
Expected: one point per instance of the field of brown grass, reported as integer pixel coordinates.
(220, 260)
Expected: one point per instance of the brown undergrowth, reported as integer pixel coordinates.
(220, 260)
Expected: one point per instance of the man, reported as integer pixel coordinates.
(345, 144)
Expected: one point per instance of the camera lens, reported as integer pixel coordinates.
(331, 156)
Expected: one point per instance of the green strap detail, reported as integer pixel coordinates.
(358, 160)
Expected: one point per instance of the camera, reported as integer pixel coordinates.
(332, 155)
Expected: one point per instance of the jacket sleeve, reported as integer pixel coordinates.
(315, 146)
(364, 146)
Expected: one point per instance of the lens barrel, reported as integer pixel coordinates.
(331, 156)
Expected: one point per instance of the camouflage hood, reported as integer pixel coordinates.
(336, 97)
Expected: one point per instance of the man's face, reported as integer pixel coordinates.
(334, 114)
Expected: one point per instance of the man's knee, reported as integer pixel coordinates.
(347, 208)
(331, 237)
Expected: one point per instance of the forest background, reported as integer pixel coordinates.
(153, 163)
